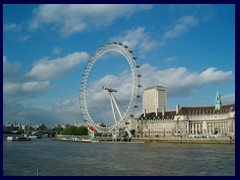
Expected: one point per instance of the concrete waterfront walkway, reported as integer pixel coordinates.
(215, 140)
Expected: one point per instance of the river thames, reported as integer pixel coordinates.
(58, 158)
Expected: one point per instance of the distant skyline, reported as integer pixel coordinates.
(190, 49)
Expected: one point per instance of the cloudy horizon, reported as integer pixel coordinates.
(46, 49)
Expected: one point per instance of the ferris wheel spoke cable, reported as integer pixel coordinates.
(120, 105)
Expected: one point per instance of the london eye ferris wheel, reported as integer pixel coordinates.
(120, 122)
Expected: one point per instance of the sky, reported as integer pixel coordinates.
(190, 49)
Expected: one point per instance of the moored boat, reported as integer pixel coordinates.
(85, 140)
(34, 137)
(11, 138)
(95, 141)
(23, 139)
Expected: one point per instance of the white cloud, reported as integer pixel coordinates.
(228, 99)
(68, 111)
(57, 50)
(170, 59)
(24, 38)
(11, 71)
(179, 28)
(46, 69)
(27, 115)
(137, 39)
(122, 83)
(180, 81)
(17, 86)
(98, 101)
(213, 75)
(16, 31)
(11, 27)
(14, 90)
(73, 18)
(69, 105)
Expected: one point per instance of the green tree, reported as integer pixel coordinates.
(42, 127)
(102, 125)
(57, 129)
(73, 130)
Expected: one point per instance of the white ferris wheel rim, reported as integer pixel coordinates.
(123, 50)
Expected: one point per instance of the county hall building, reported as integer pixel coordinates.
(155, 121)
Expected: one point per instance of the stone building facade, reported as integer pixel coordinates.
(213, 121)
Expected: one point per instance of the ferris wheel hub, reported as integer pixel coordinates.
(109, 89)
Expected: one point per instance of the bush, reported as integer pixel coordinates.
(73, 130)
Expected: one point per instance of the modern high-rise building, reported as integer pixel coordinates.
(155, 99)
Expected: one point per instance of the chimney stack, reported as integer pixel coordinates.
(177, 109)
(156, 112)
(163, 111)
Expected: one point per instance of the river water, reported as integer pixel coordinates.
(58, 158)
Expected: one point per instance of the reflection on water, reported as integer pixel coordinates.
(56, 158)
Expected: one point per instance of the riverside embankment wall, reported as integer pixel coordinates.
(225, 140)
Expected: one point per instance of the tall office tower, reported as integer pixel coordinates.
(155, 99)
